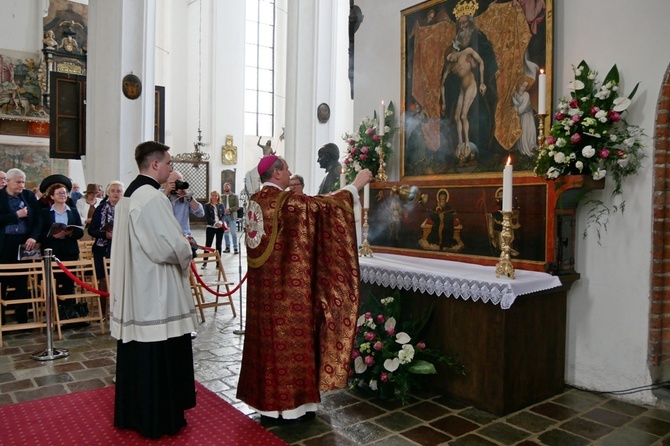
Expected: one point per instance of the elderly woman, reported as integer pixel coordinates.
(86, 205)
(101, 229)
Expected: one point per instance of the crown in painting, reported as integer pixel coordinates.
(466, 7)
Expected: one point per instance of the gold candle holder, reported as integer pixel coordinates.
(365, 250)
(381, 173)
(504, 266)
(540, 129)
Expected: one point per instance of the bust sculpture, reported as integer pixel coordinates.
(328, 158)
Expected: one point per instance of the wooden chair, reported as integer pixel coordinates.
(85, 249)
(221, 282)
(32, 272)
(84, 270)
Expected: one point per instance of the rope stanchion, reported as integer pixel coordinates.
(50, 353)
(216, 293)
(241, 330)
(78, 281)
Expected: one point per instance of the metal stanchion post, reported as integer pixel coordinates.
(50, 353)
(240, 331)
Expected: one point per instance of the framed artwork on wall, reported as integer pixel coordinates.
(33, 160)
(470, 91)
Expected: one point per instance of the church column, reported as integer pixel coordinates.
(121, 41)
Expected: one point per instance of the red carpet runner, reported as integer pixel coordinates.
(87, 418)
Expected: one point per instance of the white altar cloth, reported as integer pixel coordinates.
(456, 279)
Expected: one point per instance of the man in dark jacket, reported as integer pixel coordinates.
(20, 224)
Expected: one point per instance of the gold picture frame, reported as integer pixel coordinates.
(453, 123)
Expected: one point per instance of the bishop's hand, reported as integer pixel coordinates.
(364, 177)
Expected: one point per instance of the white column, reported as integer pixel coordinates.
(121, 41)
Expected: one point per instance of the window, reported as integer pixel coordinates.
(259, 68)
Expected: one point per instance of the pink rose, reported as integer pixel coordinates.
(368, 315)
(347, 161)
(378, 345)
(369, 360)
(370, 131)
(380, 318)
(575, 138)
(620, 153)
(390, 331)
(575, 119)
(594, 110)
(574, 103)
(364, 157)
(365, 149)
(550, 140)
(358, 330)
(421, 346)
(354, 354)
(604, 153)
(369, 336)
(375, 138)
(352, 142)
(384, 377)
(559, 116)
(351, 373)
(614, 116)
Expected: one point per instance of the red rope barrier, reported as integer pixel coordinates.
(204, 285)
(77, 280)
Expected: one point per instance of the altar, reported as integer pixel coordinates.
(509, 333)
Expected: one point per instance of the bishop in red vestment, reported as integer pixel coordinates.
(302, 293)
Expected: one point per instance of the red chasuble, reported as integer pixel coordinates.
(302, 298)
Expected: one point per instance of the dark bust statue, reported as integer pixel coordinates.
(328, 158)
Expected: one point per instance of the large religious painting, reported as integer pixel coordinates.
(33, 160)
(470, 73)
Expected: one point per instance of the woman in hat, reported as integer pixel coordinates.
(86, 206)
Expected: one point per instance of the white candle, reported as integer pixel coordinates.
(343, 178)
(507, 186)
(381, 119)
(542, 93)
(366, 196)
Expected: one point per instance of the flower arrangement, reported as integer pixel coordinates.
(386, 358)
(590, 135)
(364, 145)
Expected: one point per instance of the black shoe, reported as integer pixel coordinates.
(204, 265)
(227, 250)
(237, 251)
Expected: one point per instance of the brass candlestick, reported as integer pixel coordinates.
(381, 173)
(365, 250)
(504, 266)
(540, 129)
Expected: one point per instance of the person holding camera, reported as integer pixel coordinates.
(183, 202)
(231, 204)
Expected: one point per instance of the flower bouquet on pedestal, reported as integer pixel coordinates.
(388, 358)
(364, 145)
(590, 136)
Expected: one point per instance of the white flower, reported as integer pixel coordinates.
(622, 162)
(373, 384)
(361, 320)
(402, 338)
(406, 354)
(359, 365)
(620, 104)
(588, 122)
(613, 138)
(579, 165)
(578, 70)
(600, 114)
(598, 174)
(575, 112)
(573, 155)
(559, 158)
(356, 137)
(629, 142)
(369, 323)
(387, 300)
(592, 75)
(357, 166)
(389, 324)
(365, 347)
(588, 151)
(553, 173)
(560, 142)
(576, 85)
(391, 364)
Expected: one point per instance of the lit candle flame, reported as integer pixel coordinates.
(509, 160)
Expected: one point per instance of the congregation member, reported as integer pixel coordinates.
(231, 205)
(3, 179)
(44, 200)
(20, 224)
(183, 203)
(297, 184)
(63, 243)
(76, 194)
(101, 229)
(152, 311)
(297, 248)
(86, 205)
(214, 214)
